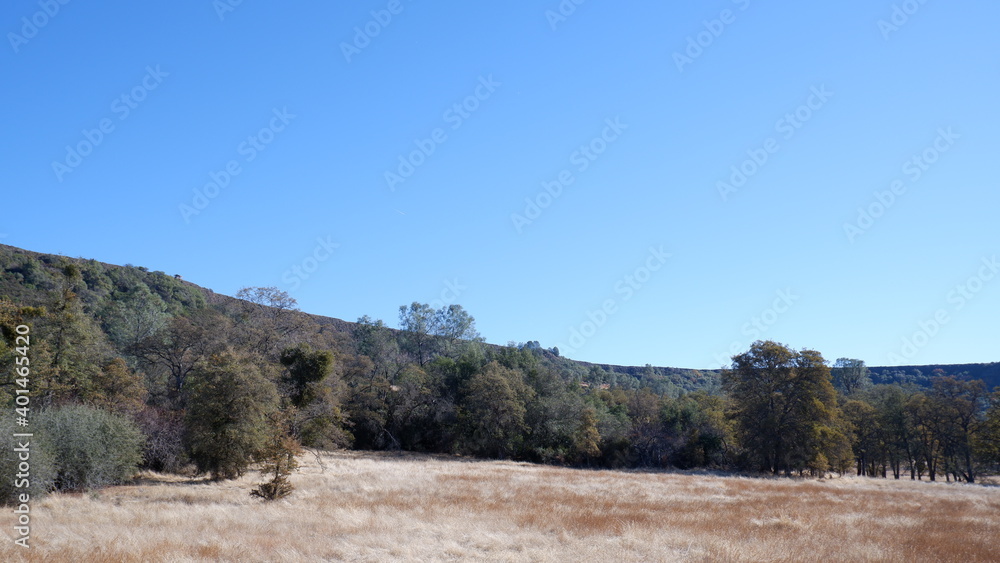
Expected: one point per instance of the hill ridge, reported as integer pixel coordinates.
(917, 373)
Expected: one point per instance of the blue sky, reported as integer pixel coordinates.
(632, 182)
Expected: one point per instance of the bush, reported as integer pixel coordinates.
(278, 463)
(92, 448)
(227, 419)
(41, 470)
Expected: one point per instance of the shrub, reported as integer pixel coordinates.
(40, 472)
(278, 463)
(92, 448)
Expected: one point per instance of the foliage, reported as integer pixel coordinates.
(133, 314)
(987, 442)
(69, 358)
(13, 451)
(172, 353)
(265, 319)
(492, 410)
(91, 448)
(785, 408)
(204, 376)
(116, 388)
(277, 462)
(427, 333)
(228, 413)
(304, 369)
(850, 376)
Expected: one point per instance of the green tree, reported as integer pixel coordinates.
(455, 329)
(72, 350)
(304, 367)
(897, 439)
(266, 318)
(133, 315)
(646, 437)
(695, 429)
(850, 376)
(376, 341)
(785, 410)
(116, 388)
(427, 333)
(367, 404)
(420, 414)
(417, 323)
(586, 437)
(12, 316)
(924, 420)
(492, 411)
(987, 442)
(228, 415)
(315, 396)
(959, 404)
(183, 344)
(866, 435)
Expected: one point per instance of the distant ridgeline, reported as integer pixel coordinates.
(29, 278)
(921, 375)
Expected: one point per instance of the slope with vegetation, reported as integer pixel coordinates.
(217, 385)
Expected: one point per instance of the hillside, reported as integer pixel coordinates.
(921, 375)
(25, 276)
(165, 356)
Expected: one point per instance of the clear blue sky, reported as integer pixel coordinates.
(309, 116)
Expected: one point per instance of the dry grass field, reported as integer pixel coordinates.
(382, 507)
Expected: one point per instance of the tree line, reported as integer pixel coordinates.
(193, 381)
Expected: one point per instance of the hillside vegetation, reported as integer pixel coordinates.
(214, 385)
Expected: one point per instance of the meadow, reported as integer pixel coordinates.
(364, 506)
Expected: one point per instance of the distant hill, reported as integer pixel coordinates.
(26, 277)
(921, 375)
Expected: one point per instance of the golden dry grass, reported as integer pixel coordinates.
(384, 507)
